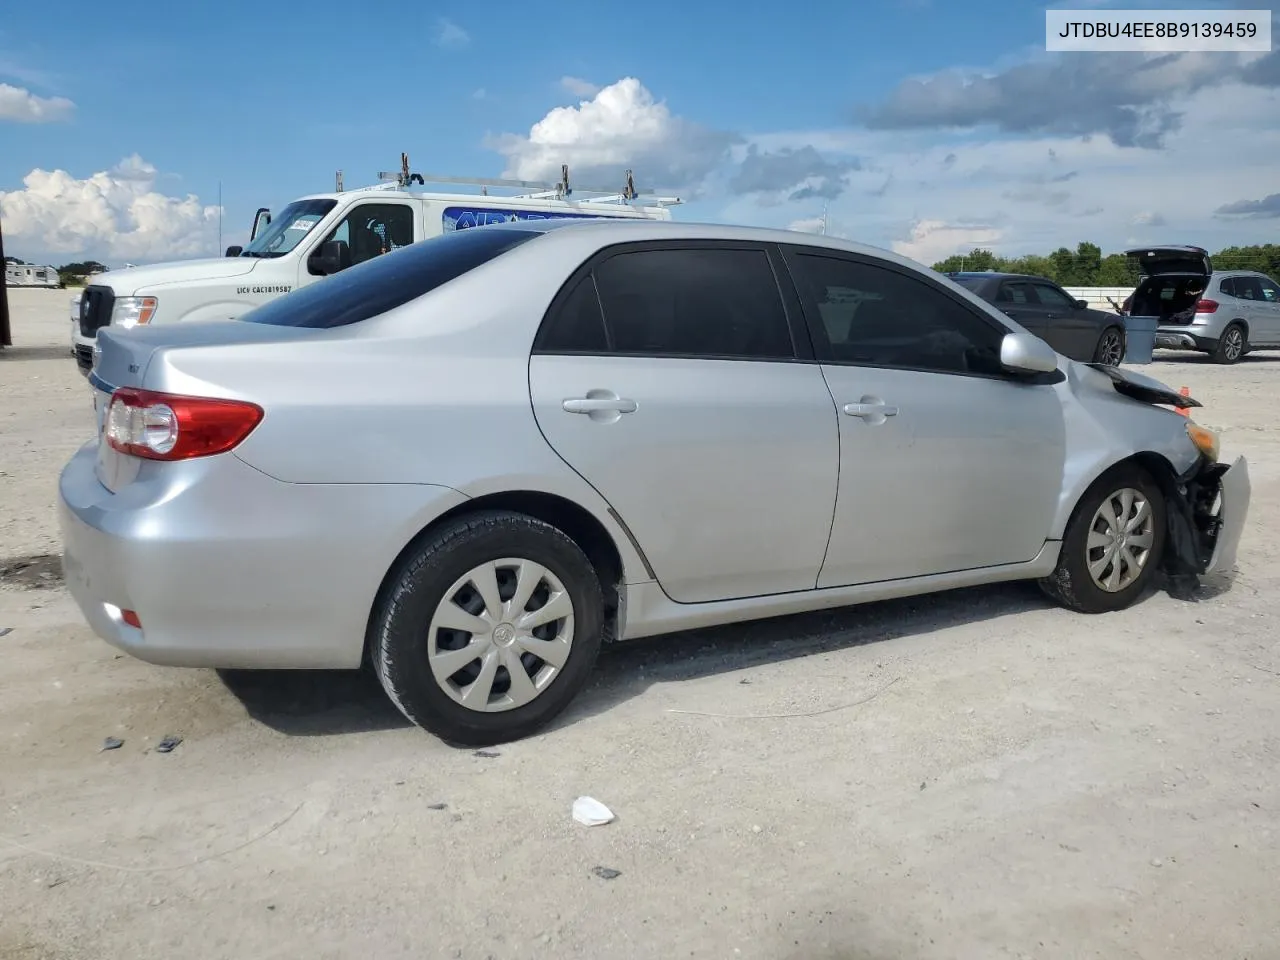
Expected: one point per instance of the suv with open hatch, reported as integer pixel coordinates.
(1224, 313)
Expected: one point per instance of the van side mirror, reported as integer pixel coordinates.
(1025, 353)
(332, 257)
(1082, 304)
(235, 251)
(261, 220)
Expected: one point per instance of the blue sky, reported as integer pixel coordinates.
(760, 116)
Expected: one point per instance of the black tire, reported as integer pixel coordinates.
(1232, 345)
(398, 643)
(1110, 348)
(1071, 584)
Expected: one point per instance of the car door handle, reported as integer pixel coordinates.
(600, 405)
(870, 409)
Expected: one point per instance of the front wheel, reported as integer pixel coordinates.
(488, 628)
(1110, 349)
(1113, 543)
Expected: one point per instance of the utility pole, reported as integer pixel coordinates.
(220, 249)
(6, 337)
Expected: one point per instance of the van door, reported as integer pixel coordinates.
(369, 229)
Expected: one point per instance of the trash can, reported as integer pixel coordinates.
(1139, 338)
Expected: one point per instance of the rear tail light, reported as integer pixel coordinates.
(1207, 306)
(163, 426)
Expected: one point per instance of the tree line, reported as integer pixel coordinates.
(1087, 267)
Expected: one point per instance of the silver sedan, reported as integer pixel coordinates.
(470, 462)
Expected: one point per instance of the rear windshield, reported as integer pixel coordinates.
(969, 283)
(372, 288)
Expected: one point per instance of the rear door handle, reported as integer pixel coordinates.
(591, 405)
(871, 410)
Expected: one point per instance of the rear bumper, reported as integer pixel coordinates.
(1185, 338)
(227, 567)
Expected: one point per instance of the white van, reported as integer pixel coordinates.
(319, 235)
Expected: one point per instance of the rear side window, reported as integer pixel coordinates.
(1248, 288)
(1228, 286)
(694, 302)
(1019, 293)
(372, 288)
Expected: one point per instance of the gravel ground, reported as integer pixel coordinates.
(976, 774)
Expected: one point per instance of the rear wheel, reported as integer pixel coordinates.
(1113, 543)
(488, 629)
(1231, 345)
(1110, 349)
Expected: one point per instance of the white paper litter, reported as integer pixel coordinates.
(591, 812)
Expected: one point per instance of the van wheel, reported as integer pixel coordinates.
(1231, 345)
(1113, 543)
(488, 628)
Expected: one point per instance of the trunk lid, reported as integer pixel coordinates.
(1159, 261)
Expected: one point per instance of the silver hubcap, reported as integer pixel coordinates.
(501, 635)
(1120, 540)
(1234, 344)
(1111, 349)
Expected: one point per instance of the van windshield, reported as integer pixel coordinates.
(287, 230)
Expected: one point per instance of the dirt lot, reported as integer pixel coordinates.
(971, 775)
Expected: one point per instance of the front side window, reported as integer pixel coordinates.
(384, 283)
(1051, 296)
(694, 302)
(1270, 292)
(287, 230)
(372, 229)
(876, 316)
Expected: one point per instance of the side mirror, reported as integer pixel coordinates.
(260, 221)
(332, 257)
(1082, 304)
(1024, 353)
(235, 251)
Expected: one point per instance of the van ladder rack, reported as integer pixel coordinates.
(540, 190)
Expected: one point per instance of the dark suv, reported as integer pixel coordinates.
(1068, 325)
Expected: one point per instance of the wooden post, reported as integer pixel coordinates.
(6, 336)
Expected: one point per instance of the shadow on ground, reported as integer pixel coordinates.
(321, 703)
(1191, 358)
(13, 354)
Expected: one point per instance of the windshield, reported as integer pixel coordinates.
(287, 230)
(969, 283)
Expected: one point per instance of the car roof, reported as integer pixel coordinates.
(607, 231)
(992, 275)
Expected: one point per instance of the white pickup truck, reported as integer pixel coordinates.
(314, 237)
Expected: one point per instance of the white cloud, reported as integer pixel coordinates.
(449, 34)
(480, 94)
(113, 215)
(622, 127)
(23, 106)
(579, 87)
(1033, 194)
(806, 225)
(934, 240)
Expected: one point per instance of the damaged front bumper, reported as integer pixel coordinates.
(1206, 513)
